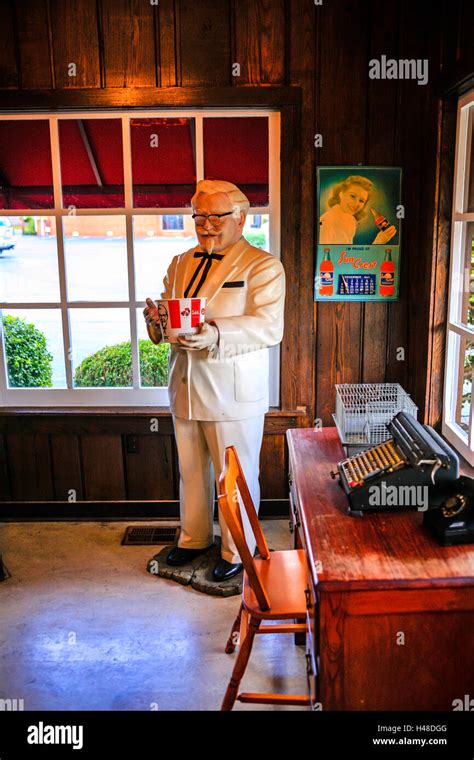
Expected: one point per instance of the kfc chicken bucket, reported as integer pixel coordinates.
(180, 316)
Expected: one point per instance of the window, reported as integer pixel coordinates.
(93, 207)
(458, 417)
(172, 222)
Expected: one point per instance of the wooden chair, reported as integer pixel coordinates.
(273, 586)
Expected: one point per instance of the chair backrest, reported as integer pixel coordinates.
(231, 483)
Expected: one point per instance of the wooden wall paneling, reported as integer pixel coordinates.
(129, 43)
(416, 153)
(204, 30)
(66, 466)
(260, 41)
(303, 23)
(34, 43)
(465, 57)
(273, 468)
(104, 477)
(380, 140)
(290, 252)
(167, 49)
(440, 269)
(29, 464)
(5, 491)
(22, 466)
(149, 473)
(458, 51)
(44, 474)
(75, 30)
(9, 69)
(407, 146)
(430, 146)
(344, 32)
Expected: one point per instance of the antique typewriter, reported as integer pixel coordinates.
(408, 470)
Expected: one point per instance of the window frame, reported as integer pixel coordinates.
(459, 279)
(135, 395)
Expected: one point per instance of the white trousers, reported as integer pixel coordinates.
(201, 447)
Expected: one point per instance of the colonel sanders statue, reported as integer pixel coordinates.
(219, 377)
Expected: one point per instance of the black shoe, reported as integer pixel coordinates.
(225, 570)
(178, 556)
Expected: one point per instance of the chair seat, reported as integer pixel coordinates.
(285, 577)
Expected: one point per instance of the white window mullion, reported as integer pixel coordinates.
(58, 202)
(462, 330)
(199, 127)
(128, 190)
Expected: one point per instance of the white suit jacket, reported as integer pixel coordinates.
(245, 294)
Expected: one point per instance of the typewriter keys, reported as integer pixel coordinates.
(379, 459)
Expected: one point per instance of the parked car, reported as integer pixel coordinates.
(7, 235)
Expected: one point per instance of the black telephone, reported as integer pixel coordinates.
(452, 521)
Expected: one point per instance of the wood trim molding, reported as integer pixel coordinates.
(127, 421)
(131, 511)
(149, 97)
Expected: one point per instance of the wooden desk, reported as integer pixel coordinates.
(392, 610)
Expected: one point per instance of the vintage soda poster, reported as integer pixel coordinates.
(359, 214)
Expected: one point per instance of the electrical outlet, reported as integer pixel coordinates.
(132, 444)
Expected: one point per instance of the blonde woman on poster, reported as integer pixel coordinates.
(347, 206)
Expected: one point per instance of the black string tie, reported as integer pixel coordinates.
(203, 268)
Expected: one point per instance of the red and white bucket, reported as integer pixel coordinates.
(180, 316)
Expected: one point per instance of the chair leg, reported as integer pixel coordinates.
(244, 625)
(233, 639)
(240, 665)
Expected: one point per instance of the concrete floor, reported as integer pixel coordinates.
(83, 626)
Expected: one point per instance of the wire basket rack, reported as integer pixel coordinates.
(364, 410)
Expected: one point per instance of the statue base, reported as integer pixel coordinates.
(197, 573)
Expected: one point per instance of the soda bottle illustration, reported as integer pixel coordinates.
(326, 274)
(387, 275)
(379, 220)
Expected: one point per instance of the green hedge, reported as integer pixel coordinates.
(28, 360)
(256, 238)
(30, 363)
(111, 367)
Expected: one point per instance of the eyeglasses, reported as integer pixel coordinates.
(215, 219)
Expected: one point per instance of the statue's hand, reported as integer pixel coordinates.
(150, 312)
(207, 336)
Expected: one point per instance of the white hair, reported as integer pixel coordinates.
(210, 186)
